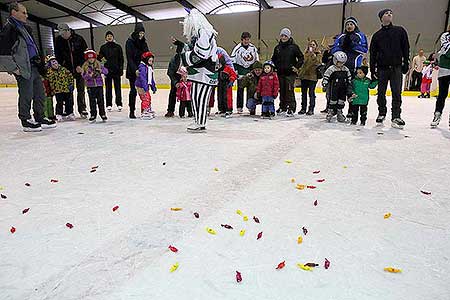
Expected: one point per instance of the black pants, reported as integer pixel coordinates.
(132, 96)
(185, 106)
(96, 99)
(308, 88)
(117, 89)
(362, 109)
(444, 82)
(81, 97)
(240, 95)
(416, 81)
(64, 104)
(222, 97)
(31, 90)
(287, 93)
(394, 76)
(172, 97)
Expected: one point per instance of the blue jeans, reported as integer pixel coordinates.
(268, 104)
(251, 104)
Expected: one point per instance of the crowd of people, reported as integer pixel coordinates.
(202, 71)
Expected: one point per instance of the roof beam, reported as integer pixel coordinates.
(186, 4)
(128, 10)
(31, 17)
(70, 12)
(264, 4)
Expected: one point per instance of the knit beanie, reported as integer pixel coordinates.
(109, 32)
(382, 12)
(257, 65)
(351, 19)
(286, 32)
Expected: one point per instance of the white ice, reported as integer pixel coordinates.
(124, 254)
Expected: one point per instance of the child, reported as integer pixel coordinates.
(227, 76)
(92, 71)
(360, 97)
(184, 94)
(61, 85)
(427, 78)
(250, 81)
(337, 82)
(48, 101)
(267, 90)
(144, 82)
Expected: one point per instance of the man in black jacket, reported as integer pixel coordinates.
(19, 55)
(287, 58)
(69, 52)
(113, 54)
(389, 58)
(135, 46)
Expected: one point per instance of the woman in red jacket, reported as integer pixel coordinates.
(268, 88)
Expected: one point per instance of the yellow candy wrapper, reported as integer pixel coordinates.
(242, 233)
(300, 186)
(245, 218)
(174, 267)
(392, 270)
(239, 212)
(176, 209)
(288, 161)
(216, 169)
(303, 267)
(210, 230)
(293, 180)
(387, 216)
(299, 240)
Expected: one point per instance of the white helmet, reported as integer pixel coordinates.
(339, 57)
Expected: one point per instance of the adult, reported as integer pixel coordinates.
(308, 76)
(352, 42)
(243, 56)
(69, 52)
(416, 70)
(134, 47)
(288, 58)
(113, 53)
(389, 58)
(443, 77)
(201, 60)
(175, 77)
(19, 55)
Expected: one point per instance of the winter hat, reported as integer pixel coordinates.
(109, 32)
(286, 32)
(351, 19)
(63, 27)
(257, 65)
(90, 54)
(245, 35)
(365, 69)
(147, 54)
(382, 12)
(139, 27)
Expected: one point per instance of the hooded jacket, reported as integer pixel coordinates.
(70, 53)
(287, 55)
(134, 48)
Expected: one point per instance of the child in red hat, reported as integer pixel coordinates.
(145, 82)
(92, 71)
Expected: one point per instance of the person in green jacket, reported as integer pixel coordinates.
(250, 81)
(360, 97)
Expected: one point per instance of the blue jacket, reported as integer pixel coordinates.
(354, 44)
(142, 79)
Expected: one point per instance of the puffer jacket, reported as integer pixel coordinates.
(92, 74)
(250, 81)
(287, 55)
(268, 85)
(61, 80)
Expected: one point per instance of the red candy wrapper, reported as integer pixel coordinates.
(316, 172)
(256, 219)
(312, 265)
(196, 215)
(238, 276)
(13, 229)
(27, 184)
(115, 208)
(93, 170)
(320, 180)
(259, 235)
(326, 264)
(281, 265)
(226, 226)
(311, 187)
(315, 203)
(68, 225)
(305, 231)
(173, 249)
(94, 167)
(425, 192)
(25, 210)
(53, 180)
(3, 196)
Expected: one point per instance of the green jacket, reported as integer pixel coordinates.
(361, 89)
(249, 81)
(309, 69)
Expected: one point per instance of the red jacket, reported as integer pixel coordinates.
(268, 85)
(184, 91)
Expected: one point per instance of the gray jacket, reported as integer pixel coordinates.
(13, 50)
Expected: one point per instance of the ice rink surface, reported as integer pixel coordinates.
(148, 167)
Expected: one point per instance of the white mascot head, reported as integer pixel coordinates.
(195, 21)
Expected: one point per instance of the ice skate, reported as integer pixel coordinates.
(196, 128)
(330, 115)
(398, 123)
(380, 119)
(436, 119)
(340, 116)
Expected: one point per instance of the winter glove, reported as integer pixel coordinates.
(230, 84)
(405, 68)
(71, 88)
(154, 90)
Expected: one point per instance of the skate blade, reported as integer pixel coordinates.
(397, 126)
